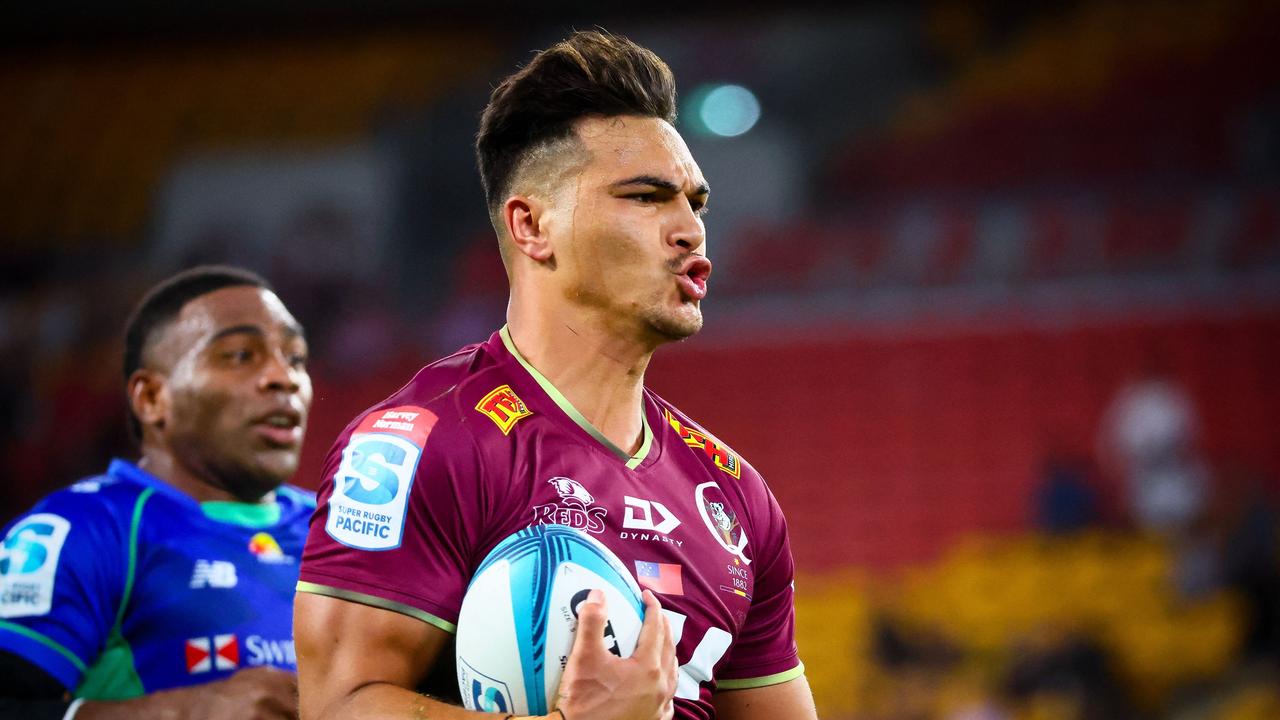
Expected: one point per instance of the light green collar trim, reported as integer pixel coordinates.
(251, 515)
(633, 461)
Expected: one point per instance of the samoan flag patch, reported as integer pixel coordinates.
(661, 578)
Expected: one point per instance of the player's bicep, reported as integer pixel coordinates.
(791, 699)
(344, 646)
(398, 519)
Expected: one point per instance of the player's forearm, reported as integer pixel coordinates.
(252, 694)
(384, 701)
(164, 705)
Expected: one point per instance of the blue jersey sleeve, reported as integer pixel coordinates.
(63, 569)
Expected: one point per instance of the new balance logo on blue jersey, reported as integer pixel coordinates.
(213, 574)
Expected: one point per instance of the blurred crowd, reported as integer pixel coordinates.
(1165, 604)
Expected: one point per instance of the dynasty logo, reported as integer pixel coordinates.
(648, 520)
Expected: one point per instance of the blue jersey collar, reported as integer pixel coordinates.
(233, 513)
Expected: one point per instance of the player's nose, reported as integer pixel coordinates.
(688, 233)
(279, 373)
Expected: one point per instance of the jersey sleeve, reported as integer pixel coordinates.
(62, 574)
(764, 652)
(398, 520)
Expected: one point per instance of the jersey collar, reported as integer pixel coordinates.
(250, 515)
(632, 461)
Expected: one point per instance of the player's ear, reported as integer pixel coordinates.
(148, 397)
(524, 218)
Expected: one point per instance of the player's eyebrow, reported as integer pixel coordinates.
(661, 184)
(291, 330)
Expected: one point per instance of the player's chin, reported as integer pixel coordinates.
(273, 466)
(678, 323)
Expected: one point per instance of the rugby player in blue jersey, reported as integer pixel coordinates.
(163, 588)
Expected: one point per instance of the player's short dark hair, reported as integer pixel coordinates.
(589, 74)
(161, 305)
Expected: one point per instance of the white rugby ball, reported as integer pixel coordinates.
(519, 616)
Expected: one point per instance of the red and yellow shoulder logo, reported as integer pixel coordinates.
(504, 408)
(265, 546)
(723, 459)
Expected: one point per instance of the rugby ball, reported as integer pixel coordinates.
(520, 614)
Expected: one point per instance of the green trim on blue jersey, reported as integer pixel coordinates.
(51, 644)
(135, 524)
(632, 461)
(774, 679)
(250, 515)
(114, 675)
(375, 601)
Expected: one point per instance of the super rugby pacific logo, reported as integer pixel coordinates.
(371, 486)
(487, 694)
(29, 564)
(576, 508)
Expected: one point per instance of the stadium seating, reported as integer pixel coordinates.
(990, 594)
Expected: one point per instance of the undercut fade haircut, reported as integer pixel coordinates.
(591, 74)
(161, 305)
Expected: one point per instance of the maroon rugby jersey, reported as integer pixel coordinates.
(480, 445)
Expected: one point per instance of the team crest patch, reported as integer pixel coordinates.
(29, 564)
(504, 408)
(721, 520)
(723, 459)
(371, 487)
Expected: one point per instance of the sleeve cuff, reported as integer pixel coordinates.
(378, 602)
(763, 681)
(44, 652)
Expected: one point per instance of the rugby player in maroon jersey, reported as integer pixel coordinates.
(597, 205)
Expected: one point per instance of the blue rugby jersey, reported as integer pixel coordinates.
(121, 585)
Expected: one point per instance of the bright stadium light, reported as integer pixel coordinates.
(727, 110)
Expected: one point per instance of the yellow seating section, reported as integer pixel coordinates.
(989, 594)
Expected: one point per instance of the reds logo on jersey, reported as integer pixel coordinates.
(572, 490)
(575, 509)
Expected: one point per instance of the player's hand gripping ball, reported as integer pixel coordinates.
(519, 616)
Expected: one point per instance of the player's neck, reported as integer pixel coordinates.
(601, 374)
(161, 463)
